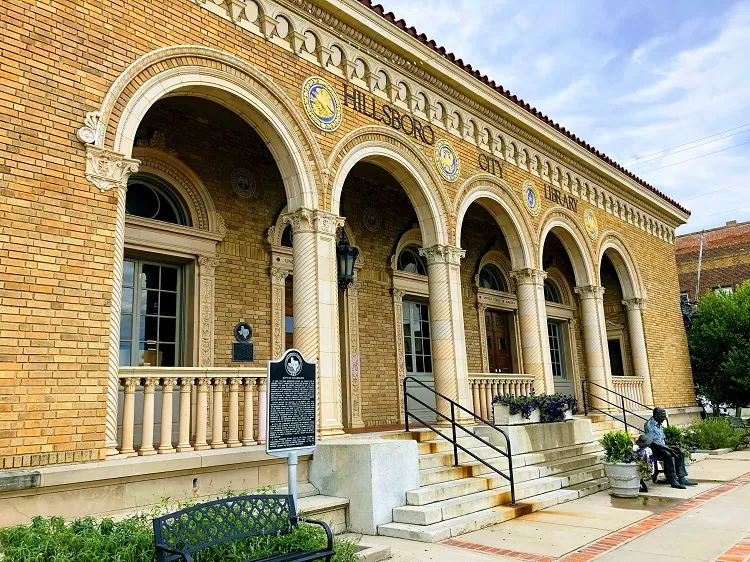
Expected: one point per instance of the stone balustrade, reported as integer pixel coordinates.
(198, 401)
(485, 386)
(631, 388)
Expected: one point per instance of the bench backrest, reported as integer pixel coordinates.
(218, 521)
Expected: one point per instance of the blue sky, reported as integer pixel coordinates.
(631, 78)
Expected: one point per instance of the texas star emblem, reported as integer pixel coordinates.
(293, 364)
(446, 160)
(589, 221)
(531, 198)
(321, 103)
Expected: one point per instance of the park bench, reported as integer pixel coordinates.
(180, 535)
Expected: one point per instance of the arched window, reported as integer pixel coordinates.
(410, 261)
(551, 292)
(286, 237)
(491, 278)
(151, 198)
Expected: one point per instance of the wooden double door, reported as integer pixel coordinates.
(498, 341)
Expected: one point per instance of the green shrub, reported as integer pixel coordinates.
(617, 446)
(132, 540)
(711, 433)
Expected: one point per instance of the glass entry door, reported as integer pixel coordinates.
(563, 384)
(418, 357)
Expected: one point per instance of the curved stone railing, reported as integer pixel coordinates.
(192, 407)
(485, 386)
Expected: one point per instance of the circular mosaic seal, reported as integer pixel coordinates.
(531, 198)
(371, 219)
(243, 183)
(447, 161)
(321, 103)
(589, 222)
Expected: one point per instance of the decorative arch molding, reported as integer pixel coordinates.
(186, 182)
(511, 219)
(221, 77)
(498, 259)
(575, 241)
(409, 167)
(626, 267)
(563, 287)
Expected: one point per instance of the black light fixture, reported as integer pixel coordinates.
(346, 255)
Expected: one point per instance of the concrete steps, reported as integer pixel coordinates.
(453, 500)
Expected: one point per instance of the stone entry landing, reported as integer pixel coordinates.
(552, 464)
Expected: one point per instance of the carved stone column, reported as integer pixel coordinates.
(450, 365)
(350, 355)
(316, 314)
(278, 312)
(481, 310)
(207, 282)
(110, 170)
(398, 318)
(532, 320)
(594, 329)
(634, 308)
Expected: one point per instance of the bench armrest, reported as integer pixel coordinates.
(323, 524)
(185, 556)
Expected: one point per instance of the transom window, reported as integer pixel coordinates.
(551, 292)
(491, 278)
(150, 198)
(150, 323)
(410, 261)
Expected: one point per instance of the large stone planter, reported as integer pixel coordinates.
(504, 417)
(624, 478)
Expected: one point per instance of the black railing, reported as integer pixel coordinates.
(587, 405)
(454, 439)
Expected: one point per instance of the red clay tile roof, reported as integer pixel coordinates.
(401, 24)
(727, 235)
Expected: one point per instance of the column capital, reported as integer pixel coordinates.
(398, 295)
(528, 276)
(440, 253)
(108, 170)
(308, 220)
(279, 275)
(208, 265)
(634, 303)
(590, 292)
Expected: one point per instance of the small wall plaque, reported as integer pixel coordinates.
(243, 332)
(242, 352)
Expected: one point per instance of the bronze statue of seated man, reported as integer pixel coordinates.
(671, 458)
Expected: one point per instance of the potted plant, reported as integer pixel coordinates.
(622, 465)
(514, 410)
(557, 407)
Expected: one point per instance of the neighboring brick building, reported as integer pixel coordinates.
(725, 263)
(170, 169)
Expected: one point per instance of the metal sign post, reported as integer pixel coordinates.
(291, 410)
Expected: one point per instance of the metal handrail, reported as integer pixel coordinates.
(621, 406)
(454, 425)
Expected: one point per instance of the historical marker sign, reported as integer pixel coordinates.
(292, 418)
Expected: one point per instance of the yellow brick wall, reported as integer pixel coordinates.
(56, 228)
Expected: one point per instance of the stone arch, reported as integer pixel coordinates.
(496, 258)
(412, 237)
(195, 70)
(496, 196)
(556, 276)
(628, 273)
(186, 182)
(406, 164)
(566, 227)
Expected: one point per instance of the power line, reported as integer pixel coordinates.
(723, 212)
(689, 148)
(694, 158)
(685, 144)
(715, 190)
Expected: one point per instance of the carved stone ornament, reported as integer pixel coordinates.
(313, 221)
(371, 219)
(442, 254)
(528, 276)
(243, 183)
(221, 226)
(208, 265)
(279, 275)
(108, 170)
(634, 303)
(159, 141)
(590, 292)
(89, 133)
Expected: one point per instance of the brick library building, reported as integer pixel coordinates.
(178, 177)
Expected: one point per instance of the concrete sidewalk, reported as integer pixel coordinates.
(700, 523)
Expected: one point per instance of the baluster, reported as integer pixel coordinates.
(201, 414)
(516, 387)
(147, 429)
(247, 428)
(128, 416)
(218, 421)
(183, 439)
(165, 440)
(233, 431)
(494, 392)
(483, 399)
(475, 394)
(262, 411)
(506, 387)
